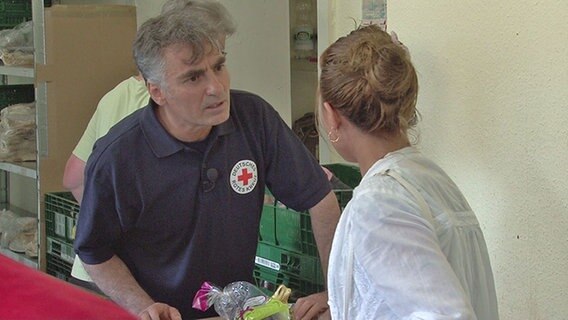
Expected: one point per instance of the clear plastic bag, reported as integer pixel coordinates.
(17, 133)
(240, 300)
(16, 45)
(23, 230)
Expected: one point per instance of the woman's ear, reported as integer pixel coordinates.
(332, 117)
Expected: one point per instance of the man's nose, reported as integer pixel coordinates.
(214, 85)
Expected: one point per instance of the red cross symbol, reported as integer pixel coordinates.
(245, 176)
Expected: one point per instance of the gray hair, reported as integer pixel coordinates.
(197, 23)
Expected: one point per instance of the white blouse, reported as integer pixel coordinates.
(391, 260)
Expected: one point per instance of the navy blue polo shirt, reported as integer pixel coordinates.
(179, 215)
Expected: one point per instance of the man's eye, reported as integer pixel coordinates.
(192, 79)
(219, 67)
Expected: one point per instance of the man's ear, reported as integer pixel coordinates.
(156, 93)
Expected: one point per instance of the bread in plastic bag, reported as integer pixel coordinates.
(16, 45)
(18, 133)
(22, 229)
(240, 300)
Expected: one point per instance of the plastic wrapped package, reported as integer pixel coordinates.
(241, 300)
(16, 45)
(18, 233)
(17, 56)
(7, 218)
(17, 133)
(17, 115)
(28, 244)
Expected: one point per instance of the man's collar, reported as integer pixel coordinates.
(161, 142)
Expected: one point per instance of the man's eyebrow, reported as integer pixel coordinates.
(193, 73)
(222, 59)
(199, 72)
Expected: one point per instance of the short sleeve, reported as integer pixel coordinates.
(294, 176)
(84, 147)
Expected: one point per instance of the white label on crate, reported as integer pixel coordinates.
(67, 253)
(70, 228)
(60, 224)
(63, 250)
(267, 263)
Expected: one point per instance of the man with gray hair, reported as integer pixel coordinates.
(174, 192)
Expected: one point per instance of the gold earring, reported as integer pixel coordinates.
(333, 140)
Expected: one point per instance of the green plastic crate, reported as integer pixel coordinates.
(273, 258)
(58, 267)
(61, 210)
(268, 281)
(347, 173)
(16, 93)
(343, 196)
(14, 12)
(286, 228)
(60, 249)
(289, 229)
(267, 230)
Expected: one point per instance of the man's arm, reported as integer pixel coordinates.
(116, 281)
(73, 177)
(324, 217)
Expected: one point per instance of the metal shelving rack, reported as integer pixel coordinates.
(25, 169)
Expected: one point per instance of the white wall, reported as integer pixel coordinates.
(494, 101)
(146, 9)
(258, 58)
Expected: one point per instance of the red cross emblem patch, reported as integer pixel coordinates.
(244, 176)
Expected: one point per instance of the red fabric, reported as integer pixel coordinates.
(26, 293)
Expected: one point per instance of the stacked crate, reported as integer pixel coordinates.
(61, 211)
(14, 12)
(16, 93)
(287, 251)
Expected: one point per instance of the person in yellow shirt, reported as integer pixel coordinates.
(128, 96)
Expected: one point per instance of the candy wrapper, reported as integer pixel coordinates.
(242, 300)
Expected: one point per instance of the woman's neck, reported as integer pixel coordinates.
(373, 148)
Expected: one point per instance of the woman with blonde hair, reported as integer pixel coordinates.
(408, 245)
